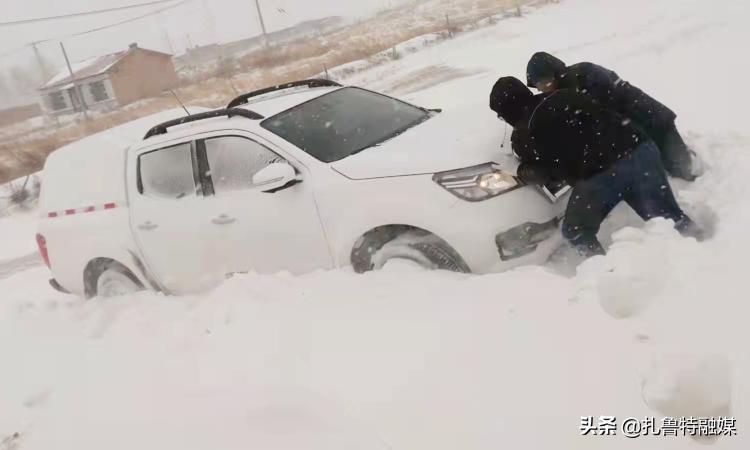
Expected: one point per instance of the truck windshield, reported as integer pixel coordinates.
(344, 122)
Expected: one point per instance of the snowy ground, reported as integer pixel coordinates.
(409, 359)
(17, 233)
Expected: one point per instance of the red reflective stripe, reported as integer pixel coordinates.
(88, 209)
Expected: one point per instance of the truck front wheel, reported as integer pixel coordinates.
(373, 250)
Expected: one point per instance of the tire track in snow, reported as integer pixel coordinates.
(13, 266)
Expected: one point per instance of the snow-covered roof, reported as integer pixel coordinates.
(89, 68)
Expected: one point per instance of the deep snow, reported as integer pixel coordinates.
(405, 358)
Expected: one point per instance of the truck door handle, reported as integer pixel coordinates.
(148, 226)
(223, 220)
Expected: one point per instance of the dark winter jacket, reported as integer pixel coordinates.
(513, 102)
(521, 138)
(563, 136)
(574, 138)
(603, 86)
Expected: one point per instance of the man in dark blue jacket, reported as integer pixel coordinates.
(566, 137)
(605, 87)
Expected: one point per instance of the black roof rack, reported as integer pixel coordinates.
(313, 83)
(229, 112)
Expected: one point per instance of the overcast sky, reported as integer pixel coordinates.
(200, 21)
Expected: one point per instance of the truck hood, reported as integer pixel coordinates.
(447, 141)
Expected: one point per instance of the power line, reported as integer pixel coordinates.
(132, 19)
(122, 22)
(86, 13)
(93, 30)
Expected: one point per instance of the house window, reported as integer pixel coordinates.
(57, 101)
(98, 91)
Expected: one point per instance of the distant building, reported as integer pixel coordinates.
(206, 57)
(110, 81)
(202, 54)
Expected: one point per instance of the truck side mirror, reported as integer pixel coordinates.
(274, 177)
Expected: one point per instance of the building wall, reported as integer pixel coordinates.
(142, 74)
(92, 103)
(88, 94)
(47, 105)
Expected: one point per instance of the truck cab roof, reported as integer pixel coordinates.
(267, 105)
(271, 104)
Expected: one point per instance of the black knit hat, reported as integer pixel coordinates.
(510, 99)
(542, 67)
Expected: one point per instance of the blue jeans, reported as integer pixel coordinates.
(639, 180)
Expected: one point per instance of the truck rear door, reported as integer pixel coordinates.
(165, 202)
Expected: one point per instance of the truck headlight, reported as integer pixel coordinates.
(477, 183)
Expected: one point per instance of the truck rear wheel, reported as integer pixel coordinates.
(115, 280)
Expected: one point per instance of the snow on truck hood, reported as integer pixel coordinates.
(449, 140)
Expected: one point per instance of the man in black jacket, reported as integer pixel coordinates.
(547, 73)
(566, 137)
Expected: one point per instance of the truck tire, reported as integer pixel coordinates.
(426, 250)
(116, 281)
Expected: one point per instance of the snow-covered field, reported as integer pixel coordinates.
(410, 359)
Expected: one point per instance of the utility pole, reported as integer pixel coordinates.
(169, 41)
(262, 23)
(42, 66)
(45, 75)
(159, 19)
(77, 88)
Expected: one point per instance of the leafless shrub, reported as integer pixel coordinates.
(10, 442)
(19, 194)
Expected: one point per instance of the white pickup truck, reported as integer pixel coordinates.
(298, 177)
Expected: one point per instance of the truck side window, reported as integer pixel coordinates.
(233, 161)
(167, 173)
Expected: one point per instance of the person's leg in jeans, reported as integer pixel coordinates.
(590, 202)
(649, 193)
(676, 156)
